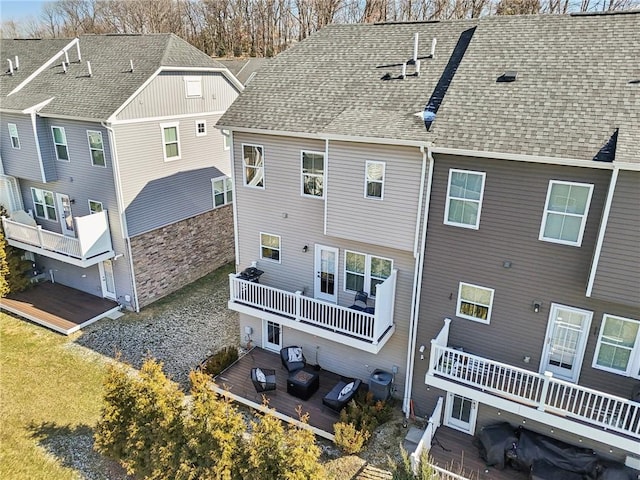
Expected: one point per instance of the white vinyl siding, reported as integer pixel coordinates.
(193, 86)
(565, 212)
(44, 204)
(60, 143)
(170, 141)
(464, 198)
(474, 302)
(95, 206)
(96, 148)
(270, 247)
(13, 134)
(222, 191)
(253, 163)
(363, 272)
(618, 348)
(201, 128)
(374, 180)
(312, 165)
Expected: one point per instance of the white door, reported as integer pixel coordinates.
(461, 413)
(272, 333)
(565, 342)
(326, 281)
(66, 217)
(107, 280)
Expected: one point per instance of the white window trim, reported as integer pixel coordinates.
(203, 134)
(192, 78)
(226, 139)
(91, 149)
(302, 174)
(89, 202)
(469, 317)
(367, 271)
(366, 180)
(583, 223)
(244, 167)
(44, 209)
(279, 248)
(11, 137)
(226, 192)
(66, 143)
(633, 368)
(164, 144)
(448, 199)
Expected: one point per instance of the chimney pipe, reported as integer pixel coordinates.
(417, 68)
(78, 50)
(17, 63)
(10, 66)
(404, 70)
(434, 42)
(64, 67)
(66, 56)
(415, 48)
(131, 64)
(89, 68)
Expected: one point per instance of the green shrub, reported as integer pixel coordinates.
(365, 413)
(404, 471)
(349, 439)
(220, 360)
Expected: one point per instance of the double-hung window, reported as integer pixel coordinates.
(171, 141)
(474, 302)
(60, 143)
(313, 174)
(618, 348)
(565, 212)
(464, 198)
(13, 134)
(96, 147)
(363, 272)
(374, 179)
(43, 203)
(95, 206)
(270, 247)
(253, 162)
(222, 191)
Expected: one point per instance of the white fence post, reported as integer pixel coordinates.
(545, 389)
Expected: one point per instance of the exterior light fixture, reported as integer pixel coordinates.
(305, 248)
(537, 306)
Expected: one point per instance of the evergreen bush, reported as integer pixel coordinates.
(220, 360)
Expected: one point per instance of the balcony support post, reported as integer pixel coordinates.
(545, 389)
(298, 308)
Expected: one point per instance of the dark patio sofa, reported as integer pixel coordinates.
(337, 402)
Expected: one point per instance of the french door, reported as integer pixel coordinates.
(272, 335)
(66, 217)
(326, 281)
(107, 279)
(461, 413)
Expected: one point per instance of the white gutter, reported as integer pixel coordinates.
(326, 185)
(603, 230)
(420, 200)
(236, 244)
(124, 231)
(417, 288)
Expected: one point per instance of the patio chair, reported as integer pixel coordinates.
(292, 358)
(263, 379)
(360, 302)
(341, 394)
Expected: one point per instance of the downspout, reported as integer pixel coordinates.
(120, 200)
(325, 182)
(35, 137)
(236, 244)
(417, 281)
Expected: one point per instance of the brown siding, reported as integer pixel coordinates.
(618, 275)
(514, 199)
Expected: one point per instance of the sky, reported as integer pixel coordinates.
(19, 10)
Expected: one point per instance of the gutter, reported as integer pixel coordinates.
(236, 242)
(417, 283)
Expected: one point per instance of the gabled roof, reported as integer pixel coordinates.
(75, 93)
(574, 87)
(244, 69)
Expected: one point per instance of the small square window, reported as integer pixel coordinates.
(95, 206)
(270, 247)
(201, 128)
(474, 302)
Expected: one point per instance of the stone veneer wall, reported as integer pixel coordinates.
(168, 258)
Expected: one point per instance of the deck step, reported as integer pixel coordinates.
(370, 472)
(115, 315)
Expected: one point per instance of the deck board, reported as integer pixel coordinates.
(58, 307)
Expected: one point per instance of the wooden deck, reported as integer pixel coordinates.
(60, 308)
(235, 382)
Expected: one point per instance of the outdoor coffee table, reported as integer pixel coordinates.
(303, 384)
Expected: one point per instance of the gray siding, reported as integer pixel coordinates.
(142, 167)
(514, 199)
(351, 215)
(166, 95)
(45, 137)
(263, 211)
(618, 275)
(22, 162)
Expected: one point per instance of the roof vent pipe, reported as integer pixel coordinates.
(66, 56)
(89, 68)
(64, 67)
(131, 65)
(17, 63)
(417, 68)
(434, 42)
(10, 66)
(415, 48)
(404, 70)
(78, 50)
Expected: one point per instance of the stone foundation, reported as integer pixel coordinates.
(171, 257)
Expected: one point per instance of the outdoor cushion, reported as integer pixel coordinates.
(295, 354)
(345, 391)
(335, 400)
(292, 358)
(261, 377)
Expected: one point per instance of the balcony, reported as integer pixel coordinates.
(365, 331)
(92, 246)
(594, 414)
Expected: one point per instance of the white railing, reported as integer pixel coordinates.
(541, 391)
(365, 326)
(93, 237)
(424, 445)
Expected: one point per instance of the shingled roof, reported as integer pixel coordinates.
(75, 93)
(574, 89)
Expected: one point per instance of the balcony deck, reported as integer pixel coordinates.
(58, 307)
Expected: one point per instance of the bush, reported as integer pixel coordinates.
(404, 470)
(220, 360)
(349, 439)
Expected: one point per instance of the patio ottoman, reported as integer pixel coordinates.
(303, 384)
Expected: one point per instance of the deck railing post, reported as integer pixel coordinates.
(232, 289)
(545, 389)
(40, 241)
(298, 307)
